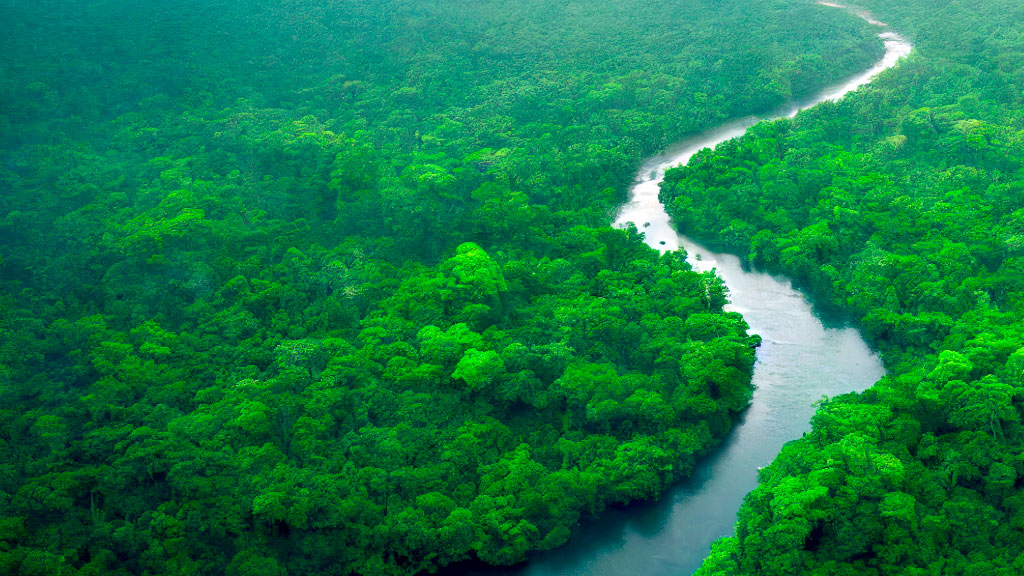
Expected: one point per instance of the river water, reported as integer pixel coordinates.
(800, 360)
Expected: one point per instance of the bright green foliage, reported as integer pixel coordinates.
(327, 287)
(900, 205)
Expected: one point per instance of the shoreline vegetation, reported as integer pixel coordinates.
(902, 206)
(317, 287)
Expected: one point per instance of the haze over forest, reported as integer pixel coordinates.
(331, 287)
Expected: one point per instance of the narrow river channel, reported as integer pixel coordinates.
(801, 359)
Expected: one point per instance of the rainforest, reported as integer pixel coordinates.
(296, 287)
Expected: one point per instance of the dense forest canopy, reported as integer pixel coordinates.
(309, 286)
(901, 205)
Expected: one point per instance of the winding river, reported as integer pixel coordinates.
(801, 359)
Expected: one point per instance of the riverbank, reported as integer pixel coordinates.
(801, 359)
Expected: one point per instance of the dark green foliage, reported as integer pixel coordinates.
(902, 205)
(327, 287)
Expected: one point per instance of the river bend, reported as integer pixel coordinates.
(800, 360)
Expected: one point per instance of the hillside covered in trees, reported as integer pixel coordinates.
(320, 287)
(901, 205)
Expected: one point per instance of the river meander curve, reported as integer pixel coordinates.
(800, 360)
